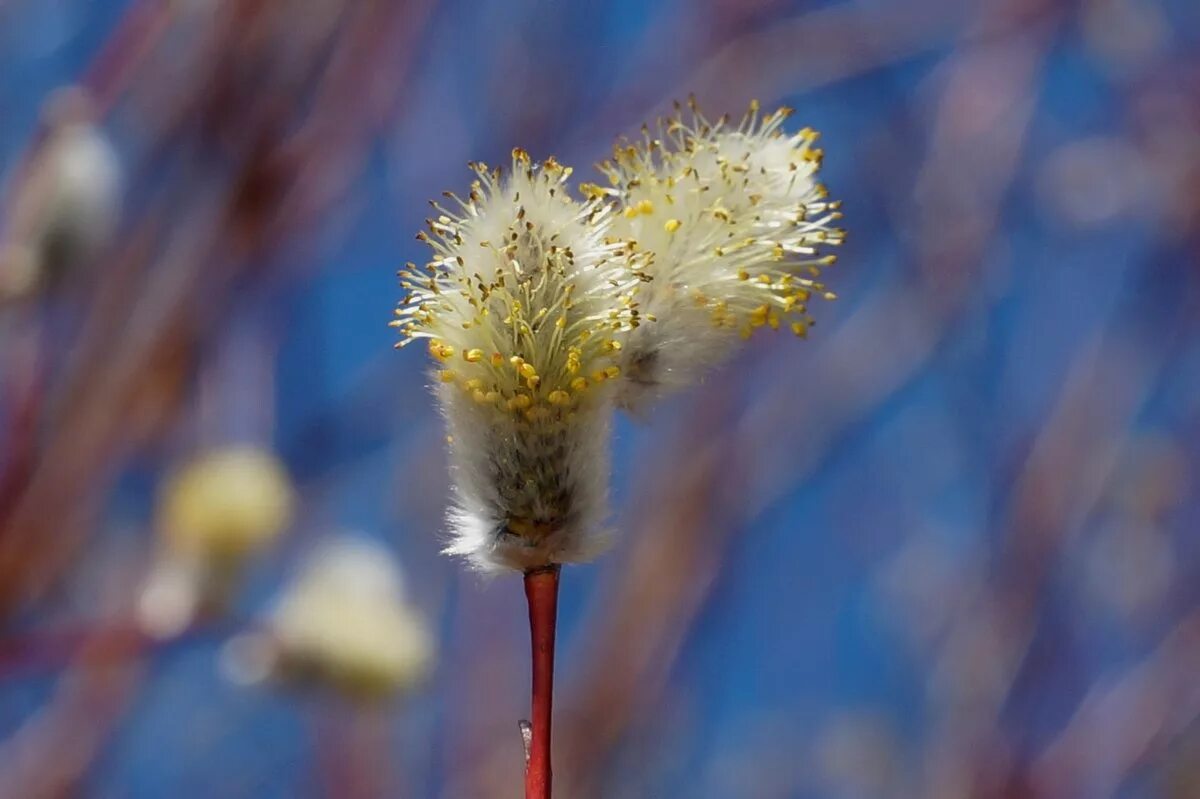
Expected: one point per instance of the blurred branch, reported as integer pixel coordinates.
(1126, 721)
(51, 752)
(155, 311)
(652, 596)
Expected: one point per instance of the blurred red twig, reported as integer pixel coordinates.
(151, 324)
(1126, 721)
(52, 751)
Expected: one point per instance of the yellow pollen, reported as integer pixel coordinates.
(559, 397)
(579, 383)
(645, 207)
(537, 413)
(526, 370)
(473, 356)
(613, 371)
(671, 225)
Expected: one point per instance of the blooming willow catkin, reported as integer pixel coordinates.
(526, 307)
(734, 221)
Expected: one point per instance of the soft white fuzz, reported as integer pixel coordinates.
(526, 305)
(734, 221)
(344, 621)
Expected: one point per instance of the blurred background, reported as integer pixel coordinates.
(945, 548)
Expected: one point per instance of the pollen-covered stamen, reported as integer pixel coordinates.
(508, 277)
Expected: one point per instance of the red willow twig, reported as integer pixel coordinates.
(541, 590)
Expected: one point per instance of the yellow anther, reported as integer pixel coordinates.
(479, 396)
(743, 274)
(758, 317)
(631, 212)
(473, 356)
(440, 351)
(579, 383)
(599, 377)
(613, 371)
(800, 329)
(773, 320)
(534, 381)
(497, 359)
(519, 402)
(446, 375)
(526, 369)
(671, 225)
(474, 384)
(645, 207)
(559, 397)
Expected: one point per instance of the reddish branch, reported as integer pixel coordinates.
(541, 590)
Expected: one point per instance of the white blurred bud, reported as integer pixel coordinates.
(67, 206)
(344, 622)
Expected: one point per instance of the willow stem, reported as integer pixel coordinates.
(541, 590)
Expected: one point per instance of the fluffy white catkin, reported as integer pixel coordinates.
(733, 221)
(526, 307)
